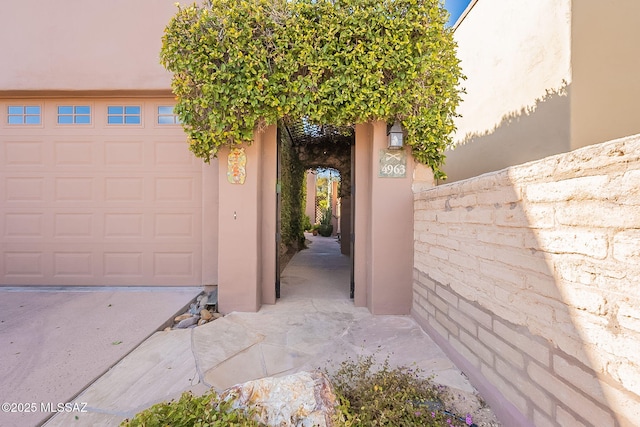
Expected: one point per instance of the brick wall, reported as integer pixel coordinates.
(530, 278)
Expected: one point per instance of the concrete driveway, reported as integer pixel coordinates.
(54, 342)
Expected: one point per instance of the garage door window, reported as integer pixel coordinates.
(74, 115)
(166, 116)
(23, 115)
(123, 115)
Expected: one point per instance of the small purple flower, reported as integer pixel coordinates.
(418, 413)
(433, 415)
(469, 420)
(449, 421)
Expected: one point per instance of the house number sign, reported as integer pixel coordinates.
(393, 164)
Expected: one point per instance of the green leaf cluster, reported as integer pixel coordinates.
(239, 65)
(374, 395)
(293, 195)
(192, 411)
(368, 394)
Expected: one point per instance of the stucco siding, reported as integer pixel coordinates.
(83, 45)
(517, 59)
(606, 70)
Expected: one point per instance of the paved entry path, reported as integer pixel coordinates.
(313, 325)
(319, 272)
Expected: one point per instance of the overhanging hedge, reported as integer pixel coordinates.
(239, 65)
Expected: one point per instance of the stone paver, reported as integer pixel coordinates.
(313, 325)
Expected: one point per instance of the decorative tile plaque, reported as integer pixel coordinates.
(236, 166)
(393, 164)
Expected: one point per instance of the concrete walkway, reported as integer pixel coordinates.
(56, 341)
(314, 324)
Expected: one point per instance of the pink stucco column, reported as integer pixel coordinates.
(246, 228)
(334, 207)
(310, 208)
(383, 226)
(361, 206)
(210, 200)
(269, 183)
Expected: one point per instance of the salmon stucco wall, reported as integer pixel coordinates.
(516, 57)
(247, 227)
(606, 70)
(543, 77)
(83, 45)
(383, 209)
(529, 278)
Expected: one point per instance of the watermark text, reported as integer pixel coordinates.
(49, 407)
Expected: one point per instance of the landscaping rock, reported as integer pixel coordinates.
(185, 323)
(182, 317)
(304, 399)
(193, 309)
(199, 313)
(202, 303)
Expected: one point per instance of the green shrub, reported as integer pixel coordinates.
(306, 223)
(367, 397)
(326, 216)
(240, 65)
(325, 230)
(292, 196)
(388, 397)
(192, 411)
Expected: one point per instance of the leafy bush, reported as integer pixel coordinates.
(325, 228)
(326, 216)
(306, 223)
(240, 65)
(292, 196)
(389, 397)
(191, 411)
(367, 397)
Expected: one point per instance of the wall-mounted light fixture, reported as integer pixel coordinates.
(395, 136)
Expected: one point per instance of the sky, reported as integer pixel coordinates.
(455, 8)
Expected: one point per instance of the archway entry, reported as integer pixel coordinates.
(382, 229)
(326, 152)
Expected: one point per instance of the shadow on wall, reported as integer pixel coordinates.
(529, 134)
(529, 278)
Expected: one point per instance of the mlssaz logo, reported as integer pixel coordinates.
(63, 407)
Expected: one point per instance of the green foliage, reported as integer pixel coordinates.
(191, 411)
(306, 223)
(292, 196)
(367, 397)
(325, 228)
(387, 397)
(322, 186)
(326, 217)
(239, 65)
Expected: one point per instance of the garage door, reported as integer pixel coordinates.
(98, 192)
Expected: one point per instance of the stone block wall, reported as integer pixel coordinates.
(529, 278)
